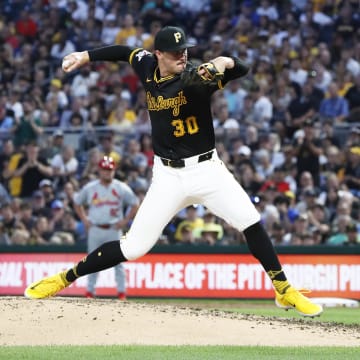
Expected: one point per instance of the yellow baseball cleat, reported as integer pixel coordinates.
(47, 287)
(294, 299)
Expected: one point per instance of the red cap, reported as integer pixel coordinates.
(107, 163)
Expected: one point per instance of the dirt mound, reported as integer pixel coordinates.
(78, 321)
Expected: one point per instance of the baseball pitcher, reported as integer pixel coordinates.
(187, 169)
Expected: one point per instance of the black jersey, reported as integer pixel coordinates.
(180, 116)
(181, 119)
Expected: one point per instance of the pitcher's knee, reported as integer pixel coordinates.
(132, 250)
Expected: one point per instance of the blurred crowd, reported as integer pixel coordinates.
(289, 131)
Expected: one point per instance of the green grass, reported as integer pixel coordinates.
(340, 315)
(176, 353)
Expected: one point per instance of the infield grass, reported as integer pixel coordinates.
(177, 353)
(340, 315)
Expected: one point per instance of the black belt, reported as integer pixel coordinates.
(104, 226)
(180, 163)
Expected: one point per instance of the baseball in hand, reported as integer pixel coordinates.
(66, 64)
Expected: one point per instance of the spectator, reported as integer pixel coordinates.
(6, 116)
(322, 76)
(307, 200)
(54, 145)
(191, 219)
(157, 10)
(334, 162)
(310, 90)
(146, 148)
(264, 168)
(7, 150)
(353, 98)
(319, 222)
(346, 25)
(301, 108)
(107, 146)
(26, 216)
(122, 117)
(268, 211)
(59, 235)
(352, 170)
(83, 82)
(46, 187)
(263, 108)
(209, 234)
(277, 234)
(225, 126)
(14, 104)
(13, 231)
(68, 194)
(283, 206)
(299, 231)
(353, 236)
(216, 48)
(328, 135)
(308, 152)
(77, 106)
(31, 169)
(234, 96)
(133, 158)
(334, 107)
(41, 232)
(4, 195)
(347, 60)
(267, 9)
(109, 29)
(38, 204)
(74, 227)
(148, 42)
(211, 224)
(62, 45)
(126, 31)
(26, 26)
(57, 94)
(64, 166)
(353, 138)
(28, 127)
(78, 10)
(344, 226)
(91, 168)
(297, 74)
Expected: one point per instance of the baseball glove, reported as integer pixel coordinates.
(205, 73)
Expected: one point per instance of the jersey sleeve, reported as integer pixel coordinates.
(239, 70)
(144, 64)
(80, 198)
(111, 53)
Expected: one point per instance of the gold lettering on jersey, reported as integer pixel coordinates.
(159, 103)
(192, 125)
(189, 125)
(179, 128)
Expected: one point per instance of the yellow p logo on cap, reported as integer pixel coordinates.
(177, 36)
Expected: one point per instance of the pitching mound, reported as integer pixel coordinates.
(77, 321)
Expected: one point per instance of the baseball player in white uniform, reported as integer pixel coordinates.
(106, 206)
(186, 169)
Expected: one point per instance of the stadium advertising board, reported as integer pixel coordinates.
(192, 275)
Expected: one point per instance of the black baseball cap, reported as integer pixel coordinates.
(171, 38)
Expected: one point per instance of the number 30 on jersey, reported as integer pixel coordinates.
(187, 126)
